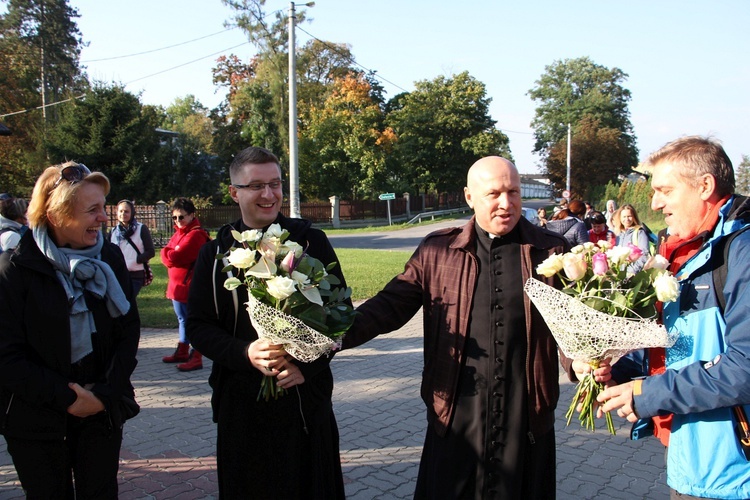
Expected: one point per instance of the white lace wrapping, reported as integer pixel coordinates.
(586, 334)
(302, 342)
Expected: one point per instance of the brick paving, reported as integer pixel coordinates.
(169, 448)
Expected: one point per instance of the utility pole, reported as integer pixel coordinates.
(294, 208)
(567, 184)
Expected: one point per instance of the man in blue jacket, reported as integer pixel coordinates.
(698, 389)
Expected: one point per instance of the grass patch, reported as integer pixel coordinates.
(366, 271)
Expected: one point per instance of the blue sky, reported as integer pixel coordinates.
(688, 61)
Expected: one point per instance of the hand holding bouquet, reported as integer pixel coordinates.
(602, 312)
(292, 300)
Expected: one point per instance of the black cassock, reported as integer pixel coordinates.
(487, 451)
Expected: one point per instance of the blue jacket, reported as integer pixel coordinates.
(708, 370)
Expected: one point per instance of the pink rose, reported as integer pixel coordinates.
(288, 263)
(635, 252)
(600, 264)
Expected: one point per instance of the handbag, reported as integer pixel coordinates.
(148, 274)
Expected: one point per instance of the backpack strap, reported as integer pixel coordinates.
(719, 273)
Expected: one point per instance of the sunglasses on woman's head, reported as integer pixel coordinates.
(72, 174)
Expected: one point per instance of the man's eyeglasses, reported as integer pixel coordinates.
(178, 217)
(257, 186)
(72, 174)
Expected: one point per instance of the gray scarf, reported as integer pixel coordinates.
(78, 270)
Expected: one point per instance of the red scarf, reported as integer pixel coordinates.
(678, 251)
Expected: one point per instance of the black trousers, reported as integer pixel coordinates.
(83, 466)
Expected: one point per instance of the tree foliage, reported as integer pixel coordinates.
(343, 150)
(742, 176)
(110, 131)
(598, 156)
(39, 50)
(572, 89)
(443, 127)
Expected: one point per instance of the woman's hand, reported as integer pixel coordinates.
(267, 358)
(86, 403)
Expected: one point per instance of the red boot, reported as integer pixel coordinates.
(180, 354)
(194, 363)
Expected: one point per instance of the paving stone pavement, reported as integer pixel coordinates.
(168, 450)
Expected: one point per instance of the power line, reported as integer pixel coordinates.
(125, 84)
(159, 49)
(351, 59)
(185, 64)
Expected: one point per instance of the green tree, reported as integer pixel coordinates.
(598, 156)
(343, 150)
(188, 116)
(443, 127)
(109, 130)
(39, 51)
(573, 88)
(41, 46)
(742, 176)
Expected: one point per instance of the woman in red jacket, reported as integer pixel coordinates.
(179, 257)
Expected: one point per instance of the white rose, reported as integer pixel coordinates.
(656, 261)
(274, 230)
(551, 266)
(667, 287)
(249, 236)
(292, 246)
(241, 258)
(575, 266)
(603, 244)
(577, 249)
(280, 287)
(618, 255)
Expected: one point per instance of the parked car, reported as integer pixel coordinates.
(530, 214)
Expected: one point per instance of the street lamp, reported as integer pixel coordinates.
(294, 208)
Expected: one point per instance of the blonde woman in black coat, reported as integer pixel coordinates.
(69, 331)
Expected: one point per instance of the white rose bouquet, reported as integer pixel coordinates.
(602, 312)
(291, 297)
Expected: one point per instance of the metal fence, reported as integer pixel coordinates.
(158, 217)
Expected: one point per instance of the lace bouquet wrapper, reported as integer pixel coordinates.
(586, 334)
(300, 341)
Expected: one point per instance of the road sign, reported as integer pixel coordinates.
(566, 194)
(387, 196)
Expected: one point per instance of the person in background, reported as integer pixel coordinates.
(615, 223)
(490, 377)
(541, 212)
(633, 235)
(609, 212)
(134, 240)
(588, 214)
(13, 222)
(69, 332)
(599, 231)
(698, 391)
(179, 257)
(286, 448)
(567, 222)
